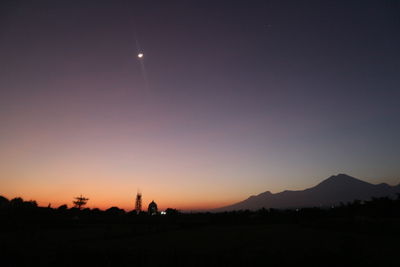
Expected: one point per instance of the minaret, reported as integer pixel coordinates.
(138, 205)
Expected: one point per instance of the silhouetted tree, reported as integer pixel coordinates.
(96, 210)
(86, 211)
(63, 207)
(4, 202)
(171, 211)
(115, 211)
(30, 204)
(16, 202)
(80, 201)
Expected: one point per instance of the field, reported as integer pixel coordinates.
(247, 239)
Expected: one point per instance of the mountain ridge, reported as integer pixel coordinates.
(331, 191)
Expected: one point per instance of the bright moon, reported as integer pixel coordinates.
(140, 55)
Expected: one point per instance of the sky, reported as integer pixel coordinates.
(231, 99)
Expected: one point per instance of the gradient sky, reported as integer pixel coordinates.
(239, 97)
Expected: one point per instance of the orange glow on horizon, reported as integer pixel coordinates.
(129, 205)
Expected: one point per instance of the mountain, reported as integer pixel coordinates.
(331, 191)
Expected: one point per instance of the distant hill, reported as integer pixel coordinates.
(331, 191)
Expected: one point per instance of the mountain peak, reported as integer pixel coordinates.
(340, 180)
(342, 176)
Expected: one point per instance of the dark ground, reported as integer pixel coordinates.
(310, 237)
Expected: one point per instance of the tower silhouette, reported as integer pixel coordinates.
(138, 205)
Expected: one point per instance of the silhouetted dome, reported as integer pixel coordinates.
(152, 209)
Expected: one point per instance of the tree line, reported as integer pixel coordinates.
(375, 207)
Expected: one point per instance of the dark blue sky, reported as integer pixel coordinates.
(239, 97)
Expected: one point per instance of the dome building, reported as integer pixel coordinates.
(152, 209)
